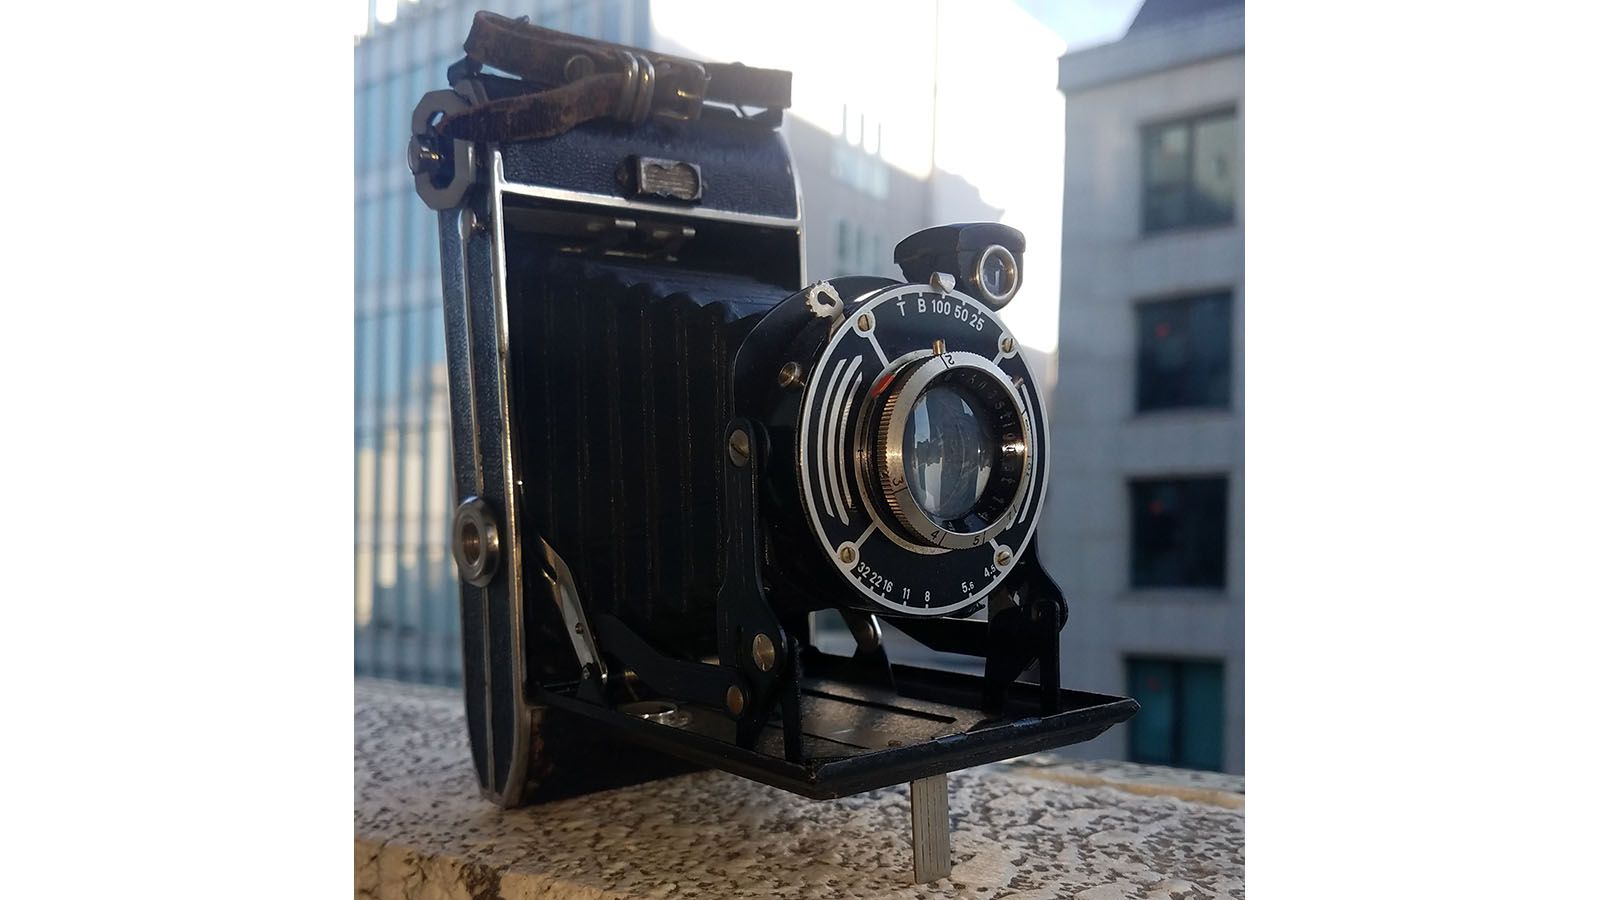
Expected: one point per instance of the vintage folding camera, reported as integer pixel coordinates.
(671, 447)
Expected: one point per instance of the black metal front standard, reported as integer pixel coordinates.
(670, 449)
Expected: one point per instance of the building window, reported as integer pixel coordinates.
(1189, 167)
(1180, 712)
(1180, 532)
(1186, 352)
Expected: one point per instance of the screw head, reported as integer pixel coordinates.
(1008, 344)
(864, 323)
(764, 654)
(789, 375)
(739, 447)
(735, 700)
(847, 554)
(1003, 558)
(421, 158)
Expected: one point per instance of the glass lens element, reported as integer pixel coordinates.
(996, 275)
(949, 453)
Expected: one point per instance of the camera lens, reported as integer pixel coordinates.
(949, 452)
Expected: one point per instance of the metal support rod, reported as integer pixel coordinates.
(930, 828)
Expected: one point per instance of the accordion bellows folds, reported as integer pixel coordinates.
(620, 390)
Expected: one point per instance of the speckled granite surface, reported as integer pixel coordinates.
(1038, 828)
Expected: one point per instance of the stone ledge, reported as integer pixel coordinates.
(1040, 827)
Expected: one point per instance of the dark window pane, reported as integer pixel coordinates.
(1180, 712)
(1189, 171)
(1186, 352)
(1180, 532)
(1215, 142)
(1165, 208)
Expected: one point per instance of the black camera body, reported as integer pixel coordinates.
(670, 447)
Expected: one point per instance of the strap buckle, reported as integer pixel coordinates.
(669, 87)
(682, 92)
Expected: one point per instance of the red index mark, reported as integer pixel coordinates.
(882, 384)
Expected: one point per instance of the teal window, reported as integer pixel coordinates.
(1180, 712)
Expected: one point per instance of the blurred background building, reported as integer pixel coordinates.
(907, 115)
(1144, 523)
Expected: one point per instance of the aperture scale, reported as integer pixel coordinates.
(899, 344)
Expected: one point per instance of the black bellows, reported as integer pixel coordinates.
(620, 378)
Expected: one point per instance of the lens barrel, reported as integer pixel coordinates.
(901, 468)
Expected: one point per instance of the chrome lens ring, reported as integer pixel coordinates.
(888, 451)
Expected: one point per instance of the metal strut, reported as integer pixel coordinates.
(930, 828)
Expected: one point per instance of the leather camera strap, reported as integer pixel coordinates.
(574, 79)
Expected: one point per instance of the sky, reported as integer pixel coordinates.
(1083, 23)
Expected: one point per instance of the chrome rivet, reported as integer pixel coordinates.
(475, 542)
(789, 375)
(764, 654)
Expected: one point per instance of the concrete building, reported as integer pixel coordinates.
(883, 132)
(1144, 523)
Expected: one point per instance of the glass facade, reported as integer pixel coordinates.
(406, 624)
